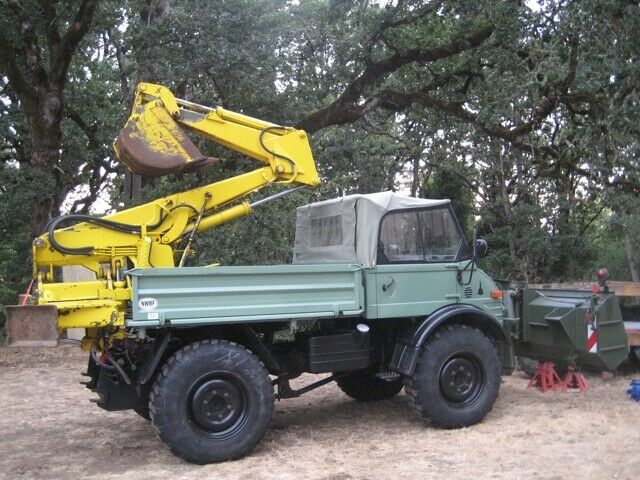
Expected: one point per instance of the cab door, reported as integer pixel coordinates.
(419, 252)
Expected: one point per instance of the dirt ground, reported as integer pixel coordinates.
(49, 429)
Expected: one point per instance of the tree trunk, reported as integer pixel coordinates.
(506, 206)
(37, 69)
(45, 147)
(631, 256)
(415, 179)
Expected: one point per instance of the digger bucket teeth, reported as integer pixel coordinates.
(152, 144)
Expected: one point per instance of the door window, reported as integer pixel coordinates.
(400, 239)
(442, 239)
(416, 236)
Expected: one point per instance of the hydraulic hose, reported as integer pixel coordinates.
(114, 365)
(110, 224)
(261, 139)
(95, 358)
(120, 370)
(121, 227)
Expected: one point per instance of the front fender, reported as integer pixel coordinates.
(407, 349)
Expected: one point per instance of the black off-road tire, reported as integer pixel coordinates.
(363, 385)
(457, 378)
(143, 411)
(212, 401)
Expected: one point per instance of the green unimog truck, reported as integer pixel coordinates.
(384, 292)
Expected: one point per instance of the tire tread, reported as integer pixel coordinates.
(414, 386)
(163, 383)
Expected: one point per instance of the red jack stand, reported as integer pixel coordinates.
(574, 381)
(546, 378)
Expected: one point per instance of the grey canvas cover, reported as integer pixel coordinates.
(345, 229)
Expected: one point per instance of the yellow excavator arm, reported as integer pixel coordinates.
(153, 142)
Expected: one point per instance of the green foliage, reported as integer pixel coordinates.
(532, 134)
(609, 250)
(19, 189)
(446, 184)
(265, 237)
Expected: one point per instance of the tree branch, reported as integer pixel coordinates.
(17, 80)
(71, 39)
(390, 23)
(122, 66)
(53, 34)
(345, 108)
(89, 131)
(584, 228)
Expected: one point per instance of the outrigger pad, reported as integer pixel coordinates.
(32, 325)
(152, 144)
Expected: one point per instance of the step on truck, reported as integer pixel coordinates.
(383, 293)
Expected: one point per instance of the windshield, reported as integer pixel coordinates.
(416, 236)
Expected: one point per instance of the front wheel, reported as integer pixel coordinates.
(212, 401)
(457, 378)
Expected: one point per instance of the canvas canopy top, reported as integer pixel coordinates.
(345, 229)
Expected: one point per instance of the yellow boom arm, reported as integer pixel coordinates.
(153, 143)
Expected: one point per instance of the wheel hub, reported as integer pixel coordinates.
(217, 404)
(460, 379)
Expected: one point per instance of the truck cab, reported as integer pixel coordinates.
(413, 252)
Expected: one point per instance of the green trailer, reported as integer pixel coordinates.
(570, 327)
(383, 293)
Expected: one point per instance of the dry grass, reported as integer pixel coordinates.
(50, 430)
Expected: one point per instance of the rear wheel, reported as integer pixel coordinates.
(457, 378)
(364, 385)
(212, 401)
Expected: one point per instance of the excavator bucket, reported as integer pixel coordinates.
(152, 144)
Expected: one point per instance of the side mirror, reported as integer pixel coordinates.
(474, 241)
(481, 247)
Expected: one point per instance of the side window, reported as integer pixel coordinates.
(442, 239)
(400, 238)
(326, 231)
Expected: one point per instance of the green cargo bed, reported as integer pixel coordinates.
(213, 295)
